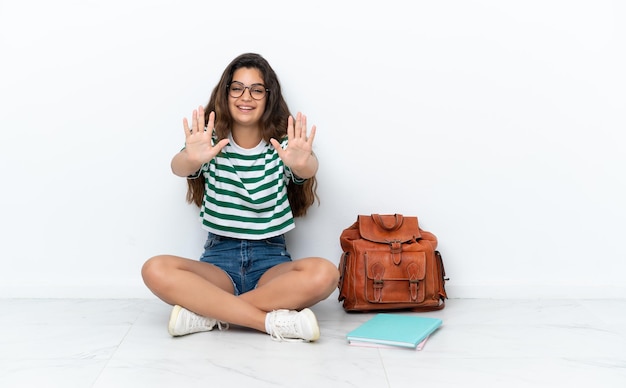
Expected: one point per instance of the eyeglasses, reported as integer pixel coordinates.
(257, 91)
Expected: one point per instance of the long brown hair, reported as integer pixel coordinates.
(273, 125)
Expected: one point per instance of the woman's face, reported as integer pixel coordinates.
(247, 109)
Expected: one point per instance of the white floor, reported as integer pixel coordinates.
(482, 343)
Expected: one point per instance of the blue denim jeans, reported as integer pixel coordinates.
(245, 261)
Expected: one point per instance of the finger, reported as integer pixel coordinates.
(200, 118)
(186, 127)
(277, 147)
(290, 130)
(219, 146)
(298, 128)
(304, 130)
(194, 121)
(211, 124)
(311, 135)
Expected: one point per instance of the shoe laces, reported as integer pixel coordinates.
(283, 322)
(195, 321)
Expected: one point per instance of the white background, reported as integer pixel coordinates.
(499, 124)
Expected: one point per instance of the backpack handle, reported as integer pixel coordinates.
(394, 222)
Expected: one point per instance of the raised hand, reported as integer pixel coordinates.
(299, 152)
(198, 139)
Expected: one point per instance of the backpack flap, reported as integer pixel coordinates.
(388, 228)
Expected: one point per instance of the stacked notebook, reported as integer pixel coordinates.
(394, 330)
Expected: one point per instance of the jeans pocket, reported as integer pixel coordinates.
(211, 240)
(277, 241)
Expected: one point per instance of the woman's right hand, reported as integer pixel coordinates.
(198, 139)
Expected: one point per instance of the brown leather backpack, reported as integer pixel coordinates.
(389, 263)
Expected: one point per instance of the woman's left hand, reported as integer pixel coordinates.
(299, 152)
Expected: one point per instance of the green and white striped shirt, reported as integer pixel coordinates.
(246, 192)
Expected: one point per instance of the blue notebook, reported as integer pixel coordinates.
(394, 330)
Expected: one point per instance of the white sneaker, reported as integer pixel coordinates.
(183, 322)
(293, 325)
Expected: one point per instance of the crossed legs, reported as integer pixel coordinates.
(208, 291)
